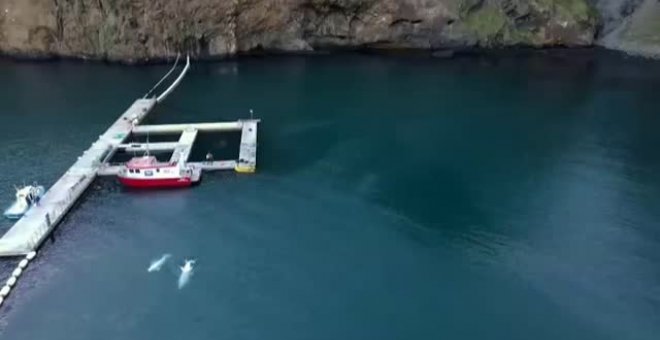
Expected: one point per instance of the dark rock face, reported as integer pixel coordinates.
(614, 13)
(146, 29)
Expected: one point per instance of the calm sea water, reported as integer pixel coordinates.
(500, 197)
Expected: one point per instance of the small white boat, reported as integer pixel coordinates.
(26, 197)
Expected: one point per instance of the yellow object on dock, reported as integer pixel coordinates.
(245, 169)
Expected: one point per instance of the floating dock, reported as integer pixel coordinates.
(34, 227)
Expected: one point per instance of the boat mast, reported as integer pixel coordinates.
(148, 143)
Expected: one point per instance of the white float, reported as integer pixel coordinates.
(31, 255)
(4, 291)
(23, 263)
(17, 272)
(11, 282)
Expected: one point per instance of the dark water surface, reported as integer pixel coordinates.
(510, 197)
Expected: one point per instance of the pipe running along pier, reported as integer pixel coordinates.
(28, 233)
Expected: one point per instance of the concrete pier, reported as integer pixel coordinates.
(178, 128)
(247, 158)
(183, 149)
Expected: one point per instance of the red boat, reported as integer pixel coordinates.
(148, 172)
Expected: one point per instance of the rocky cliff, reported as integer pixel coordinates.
(147, 29)
(631, 25)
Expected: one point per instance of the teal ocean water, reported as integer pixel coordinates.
(397, 197)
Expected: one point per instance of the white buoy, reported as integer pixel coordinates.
(11, 281)
(4, 291)
(17, 272)
(31, 255)
(23, 264)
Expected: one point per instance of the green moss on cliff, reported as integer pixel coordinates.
(527, 22)
(576, 10)
(486, 23)
(515, 36)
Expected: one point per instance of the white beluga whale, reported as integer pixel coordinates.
(156, 265)
(186, 273)
(187, 266)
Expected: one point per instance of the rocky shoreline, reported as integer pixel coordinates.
(474, 52)
(135, 31)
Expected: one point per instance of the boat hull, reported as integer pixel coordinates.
(18, 209)
(156, 182)
(11, 216)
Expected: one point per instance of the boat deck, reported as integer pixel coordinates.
(113, 170)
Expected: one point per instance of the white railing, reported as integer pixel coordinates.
(164, 77)
(175, 83)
